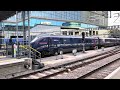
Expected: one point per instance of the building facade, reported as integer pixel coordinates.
(98, 18)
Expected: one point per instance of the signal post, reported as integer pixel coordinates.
(83, 41)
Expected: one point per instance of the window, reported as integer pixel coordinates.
(66, 40)
(64, 32)
(70, 33)
(43, 41)
(77, 40)
(90, 32)
(88, 40)
(76, 33)
(93, 32)
(56, 41)
(96, 32)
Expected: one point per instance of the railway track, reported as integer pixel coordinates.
(103, 72)
(77, 72)
(67, 68)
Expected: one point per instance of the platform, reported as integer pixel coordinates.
(10, 65)
(49, 61)
(114, 75)
(9, 60)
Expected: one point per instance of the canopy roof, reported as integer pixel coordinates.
(6, 14)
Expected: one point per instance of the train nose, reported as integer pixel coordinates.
(31, 44)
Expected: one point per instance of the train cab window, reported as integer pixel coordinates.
(43, 41)
(87, 34)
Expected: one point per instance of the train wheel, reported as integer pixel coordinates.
(42, 54)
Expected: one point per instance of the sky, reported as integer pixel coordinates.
(114, 18)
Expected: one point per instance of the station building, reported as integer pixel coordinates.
(59, 25)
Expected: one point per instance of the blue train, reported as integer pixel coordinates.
(50, 44)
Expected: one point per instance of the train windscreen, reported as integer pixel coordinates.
(36, 38)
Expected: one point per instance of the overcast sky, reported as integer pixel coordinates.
(114, 19)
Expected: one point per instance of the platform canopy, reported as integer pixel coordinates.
(6, 14)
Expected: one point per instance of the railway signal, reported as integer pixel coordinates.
(83, 36)
(83, 40)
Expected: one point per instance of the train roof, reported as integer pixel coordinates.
(62, 36)
(111, 38)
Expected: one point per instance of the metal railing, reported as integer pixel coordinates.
(34, 51)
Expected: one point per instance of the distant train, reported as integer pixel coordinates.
(8, 41)
(14, 40)
(50, 44)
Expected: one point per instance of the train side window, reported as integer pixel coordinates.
(86, 40)
(55, 40)
(66, 40)
(89, 41)
(61, 40)
(71, 40)
(77, 40)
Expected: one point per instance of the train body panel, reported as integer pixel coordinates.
(52, 44)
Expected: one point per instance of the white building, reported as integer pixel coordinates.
(43, 29)
(56, 30)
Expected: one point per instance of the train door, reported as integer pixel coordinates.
(54, 44)
(77, 43)
(96, 41)
(42, 46)
(87, 45)
(67, 47)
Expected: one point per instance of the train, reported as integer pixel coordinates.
(50, 44)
